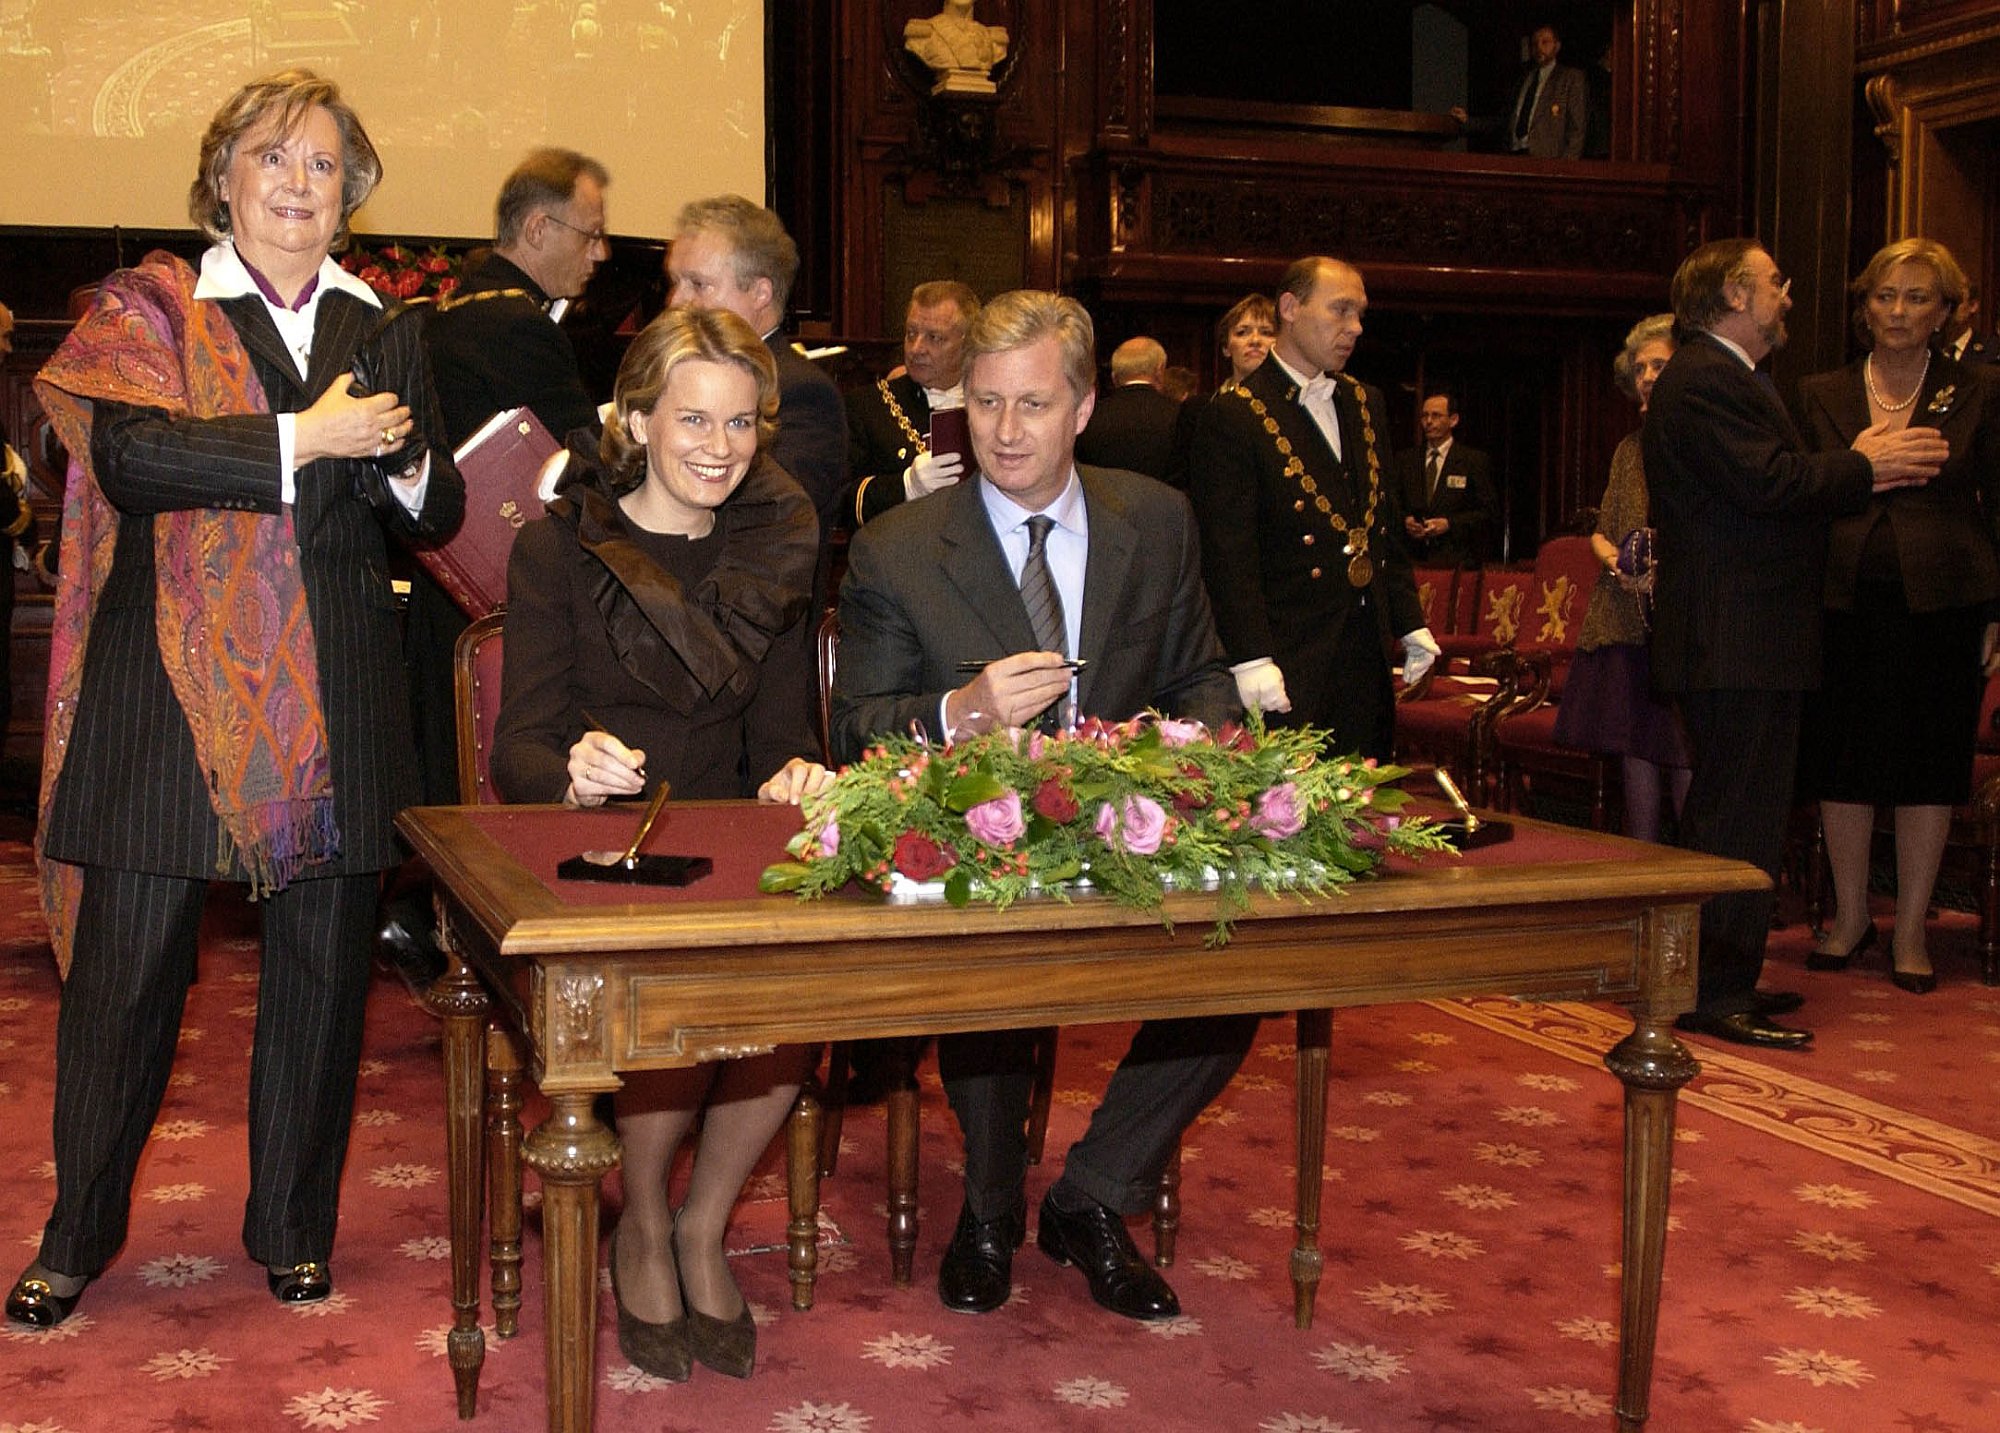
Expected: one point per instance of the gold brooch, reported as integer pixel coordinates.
(1941, 400)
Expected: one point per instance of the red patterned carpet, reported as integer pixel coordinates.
(1833, 1266)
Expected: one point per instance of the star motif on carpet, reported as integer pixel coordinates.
(1928, 1349)
(1489, 1345)
(1925, 1423)
(331, 1353)
(1235, 1375)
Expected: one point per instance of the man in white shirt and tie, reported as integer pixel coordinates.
(1027, 564)
(1302, 527)
(1451, 512)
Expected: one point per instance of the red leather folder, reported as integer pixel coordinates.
(502, 465)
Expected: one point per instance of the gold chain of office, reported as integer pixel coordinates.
(902, 418)
(1360, 567)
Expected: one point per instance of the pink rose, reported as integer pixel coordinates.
(828, 839)
(1179, 733)
(1138, 826)
(1278, 814)
(997, 822)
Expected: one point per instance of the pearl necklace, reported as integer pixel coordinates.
(1868, 377)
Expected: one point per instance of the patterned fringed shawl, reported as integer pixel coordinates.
(235, 635)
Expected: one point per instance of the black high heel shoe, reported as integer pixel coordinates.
(1827, 960)
(729, 1346)
(33, 1300)
(658, 1349)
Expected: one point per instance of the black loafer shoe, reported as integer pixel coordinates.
(412, 954)
(305, 1283)
(33, 1301)
(1746, 1028)
(1778, 1002)
(1097, 1240)
(977, 1272)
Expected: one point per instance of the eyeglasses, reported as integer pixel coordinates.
(1782, 284)
(590, 236)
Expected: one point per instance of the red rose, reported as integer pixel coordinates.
(409, 284)
(447, 287)
(1056, 801)
(920, 858)
(374, 276)
(437, 264)
(394, 253)
(1234, 737)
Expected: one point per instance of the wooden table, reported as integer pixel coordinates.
(602, 979)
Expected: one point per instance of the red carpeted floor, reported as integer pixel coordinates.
(1833, 1265)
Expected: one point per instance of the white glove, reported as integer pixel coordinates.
(1420, 649)
(1260, 686)
(930, 472)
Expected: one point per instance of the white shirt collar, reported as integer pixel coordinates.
(1006, 514)
(1742, 354)
(1299, 380)
(224, 277)
(953, 397)
(1443, 450)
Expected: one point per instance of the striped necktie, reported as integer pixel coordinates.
(1038, 590)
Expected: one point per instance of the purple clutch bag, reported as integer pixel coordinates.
(1635, 565)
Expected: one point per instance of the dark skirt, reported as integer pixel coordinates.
(1608, 706)
(1894, 720)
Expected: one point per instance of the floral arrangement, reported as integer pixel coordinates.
(399, 273)
(1131, 809)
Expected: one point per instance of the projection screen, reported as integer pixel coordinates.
(102, 102)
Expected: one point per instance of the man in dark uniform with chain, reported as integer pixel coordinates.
(496, 343)
(889, 450)
(1300, 524)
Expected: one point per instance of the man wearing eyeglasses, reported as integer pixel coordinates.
(1741, 508)
(495, 343)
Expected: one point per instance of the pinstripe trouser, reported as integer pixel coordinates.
(120, 1019)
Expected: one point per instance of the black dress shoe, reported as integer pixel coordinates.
(1777, 1002)
(1917, 982)
(977, 1272)
(33, 1301)
(1746, 1028)
(662, 1350)
(1097, 1240)
(1826, 960)
(304, 1283)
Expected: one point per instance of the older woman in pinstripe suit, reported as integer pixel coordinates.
(226, 698)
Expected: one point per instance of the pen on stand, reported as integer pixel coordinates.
(1457, 798)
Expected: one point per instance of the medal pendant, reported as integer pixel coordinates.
(1360, 570)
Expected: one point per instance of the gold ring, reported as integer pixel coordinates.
(388, 436)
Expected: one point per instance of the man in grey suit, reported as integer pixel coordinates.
(1034, 561)
(1741, 509)
(1547, 118)
(730, 253)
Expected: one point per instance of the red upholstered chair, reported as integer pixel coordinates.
(1498, 612)
(1524, 746)
(1437, 588)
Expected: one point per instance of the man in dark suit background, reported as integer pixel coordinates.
(730, 253)
(1301, 528)
(1033, 561)
(1132, 426)
(889, 454)
(1451, 512)
(1741, 510)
